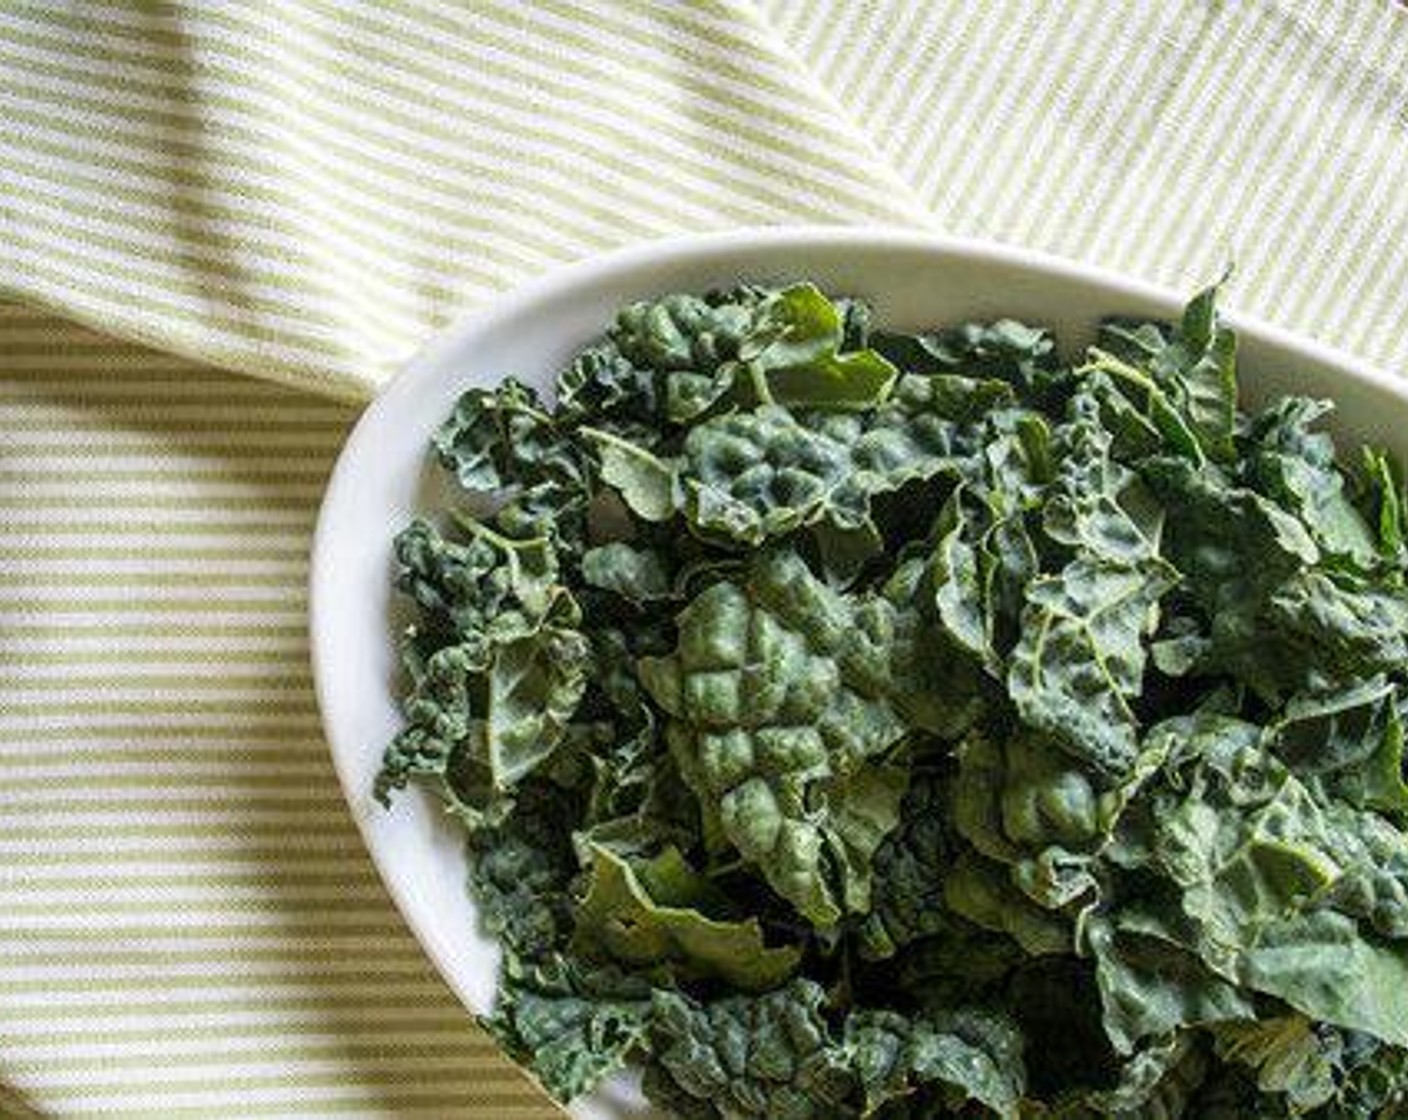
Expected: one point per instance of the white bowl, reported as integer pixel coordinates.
(383, 476)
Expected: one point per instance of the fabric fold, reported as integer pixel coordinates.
(306, 191)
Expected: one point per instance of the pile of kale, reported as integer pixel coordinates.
(855, 723)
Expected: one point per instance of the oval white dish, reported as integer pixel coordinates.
(383, 475)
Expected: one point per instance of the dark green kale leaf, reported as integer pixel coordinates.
(958, 964)
(770, 1057)
(1373, 1081)
(756, 475)
(1352, 740)
(957, 1056)
(504, 441)
(687, 332)
(487, 587)
(1277, 890)
(1005, 350)
(1294, 465)
(910, 866)
(497, 672)
(496, 438)
(571, 1024)
(1158, 1082)
(1341, 633)
(603, 384)
(981, 891)
(663, 362)
(1236, 552)
(483, 716)
(751, 477)
(521, 872)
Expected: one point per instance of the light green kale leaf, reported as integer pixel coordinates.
(793, 353)
(1276, 890)
(1288, 1055)
(661, 916)
(1384, 502)
(1150, 988)
(783, 715)
(648, 484)
(957, 576)
(641, 576)
(1079, 664)
(1024, 793)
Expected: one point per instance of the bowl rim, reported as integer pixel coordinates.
(681, 250)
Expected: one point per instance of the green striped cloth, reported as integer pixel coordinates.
(302, 192)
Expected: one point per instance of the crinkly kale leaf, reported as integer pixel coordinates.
(952, 1057)
(770, 1057)
(785, 712)
(571, 1024)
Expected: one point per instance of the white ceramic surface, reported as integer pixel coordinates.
(913, 280)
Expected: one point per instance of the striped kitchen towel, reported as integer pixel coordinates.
(302, 191)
